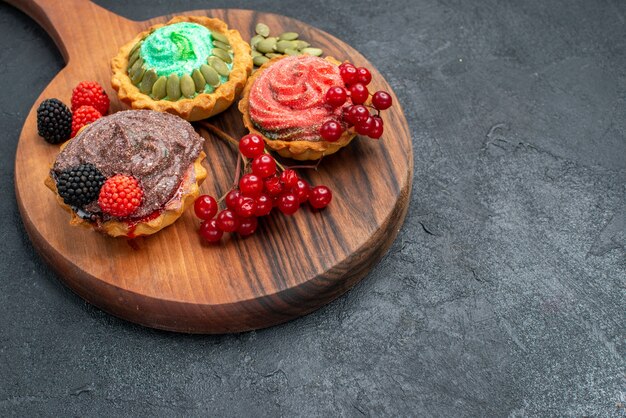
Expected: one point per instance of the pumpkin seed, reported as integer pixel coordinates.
(316, 52)
(302, 44)
(173, 87)
(149, 78)
(220, 37)
(260, 60)
(136, 65)
(221, 45)
(255, 40)
(137, 75)
(288, 36)
(262, 29)
(158, 89)
(271, 55)
(198, 80)
(223, 55)
(282, 45)
(219, 66)
(210, 75)
(256, 53)
(266, 45)
(292, 51)
(135, 48)
(187, 86)
(133, 58)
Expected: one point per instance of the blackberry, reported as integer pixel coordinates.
(80, 185)
(54, 121)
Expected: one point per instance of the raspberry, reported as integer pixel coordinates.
(79, 185)
(84, 115)
(90, 93)
(120, 195)
(54, 121)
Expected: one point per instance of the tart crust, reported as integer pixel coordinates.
(298, 150)
(184, 197)
(202, 106)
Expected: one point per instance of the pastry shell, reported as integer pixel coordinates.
(202, 106)
(184, 197)
(298, 150)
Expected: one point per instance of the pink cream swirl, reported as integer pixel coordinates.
(287, 99)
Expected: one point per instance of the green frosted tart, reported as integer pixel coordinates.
(193, 66)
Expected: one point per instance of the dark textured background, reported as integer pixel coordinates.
(504, 294)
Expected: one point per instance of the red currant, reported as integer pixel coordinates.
(288, 203)
(232, 199)
(247, 226)
(273, 186)
(264, 205)
(301, 190)
(227, 221)
(358, 93)
(251, 145)
(364, 128)
(364, 75)
(320, 197)
(349, 74)
(377, 130)
(205, 207)
(336, 96)
(251, 185)
(209, 231)
(246, 207)
(381, 100)
(331, 131)
(264, 165)
(289, 178)
(358, 114)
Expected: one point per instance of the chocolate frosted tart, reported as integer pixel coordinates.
(161, 151)
(283, 102)
(192, 66)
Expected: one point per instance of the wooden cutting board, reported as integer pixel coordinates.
(171, 280)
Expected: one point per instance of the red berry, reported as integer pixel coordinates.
(120, 195)
(84, 115)
(273, 186)
(331, 131)
(247, 226)
(377, 130)
(264, 165)
(364, 128)
(246, 207)
(364, 75)
(209, 231)
(336, 96)
(358, 114)
(358, 93)
(232, 199)
(381, 100)
(301, 190)
(349, 74)
(288, 203)
(227, 221)
(90, 93)
(264, 205)
(320, 197)
(345, 64)
(205, 207)
(251, 185)
(251, 145)
(289, 178)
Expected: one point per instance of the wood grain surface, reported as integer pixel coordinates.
(171, 280)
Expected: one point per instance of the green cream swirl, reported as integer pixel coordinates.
(177, 48)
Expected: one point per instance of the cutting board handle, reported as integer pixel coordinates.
(64, 21)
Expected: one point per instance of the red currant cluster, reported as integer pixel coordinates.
(265, 185)
(357, 114)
